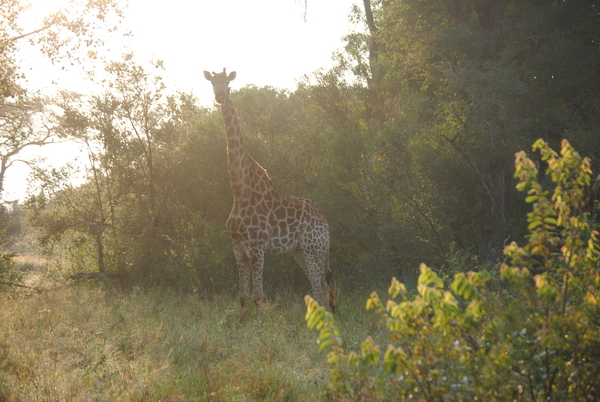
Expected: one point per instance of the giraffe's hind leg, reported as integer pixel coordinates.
(316, 267)
(245, 277)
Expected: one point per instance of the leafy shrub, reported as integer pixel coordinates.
(535, 339)
(8, 268)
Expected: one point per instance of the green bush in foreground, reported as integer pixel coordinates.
(538, 339)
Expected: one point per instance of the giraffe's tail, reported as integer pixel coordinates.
(333, 290)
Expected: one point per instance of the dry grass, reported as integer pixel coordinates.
(31, 259)
(91, 343)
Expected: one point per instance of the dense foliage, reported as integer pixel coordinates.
(406, 144)
(533, 336)
(11, 232)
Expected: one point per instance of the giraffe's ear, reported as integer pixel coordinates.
(232, 76)
(207, 75)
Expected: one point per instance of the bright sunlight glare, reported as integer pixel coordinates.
(267, 42)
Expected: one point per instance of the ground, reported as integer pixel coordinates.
(97, 341)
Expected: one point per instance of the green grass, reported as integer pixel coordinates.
(91, 342)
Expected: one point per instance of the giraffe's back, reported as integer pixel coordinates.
(294, 222)
(264, 216)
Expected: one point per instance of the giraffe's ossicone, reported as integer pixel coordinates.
(264, 220)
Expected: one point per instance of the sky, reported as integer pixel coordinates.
(268, 42)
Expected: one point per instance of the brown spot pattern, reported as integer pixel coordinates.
(264, 220)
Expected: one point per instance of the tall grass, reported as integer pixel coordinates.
(82, 343)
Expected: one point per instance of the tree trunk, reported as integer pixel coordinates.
(100, 250)
(494, 225)
(490, 13)
(374, 45)
(3, 168)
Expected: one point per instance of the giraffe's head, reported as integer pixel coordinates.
(220, 82)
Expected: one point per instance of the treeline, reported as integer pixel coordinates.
(407, 145)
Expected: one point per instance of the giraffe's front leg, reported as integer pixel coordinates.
(245, 276)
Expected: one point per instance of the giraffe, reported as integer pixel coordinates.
(266, 221)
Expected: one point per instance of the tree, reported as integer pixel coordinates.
(68, 217)
(493, 76)
(121, 130)
(19, 130)
(62, 36)
(432, 122)
(150, 194)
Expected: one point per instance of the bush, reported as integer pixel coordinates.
(534, 336)
(8, 269)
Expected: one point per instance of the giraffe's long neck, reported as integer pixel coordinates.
(238, 158)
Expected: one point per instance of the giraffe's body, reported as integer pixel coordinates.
(264, 220)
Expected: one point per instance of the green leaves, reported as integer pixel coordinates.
(534, 338)
(466, 285)
(369, 355)
(430, 333)
(318, 318)
(556, 310)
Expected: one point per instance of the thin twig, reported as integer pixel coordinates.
(16, 284)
